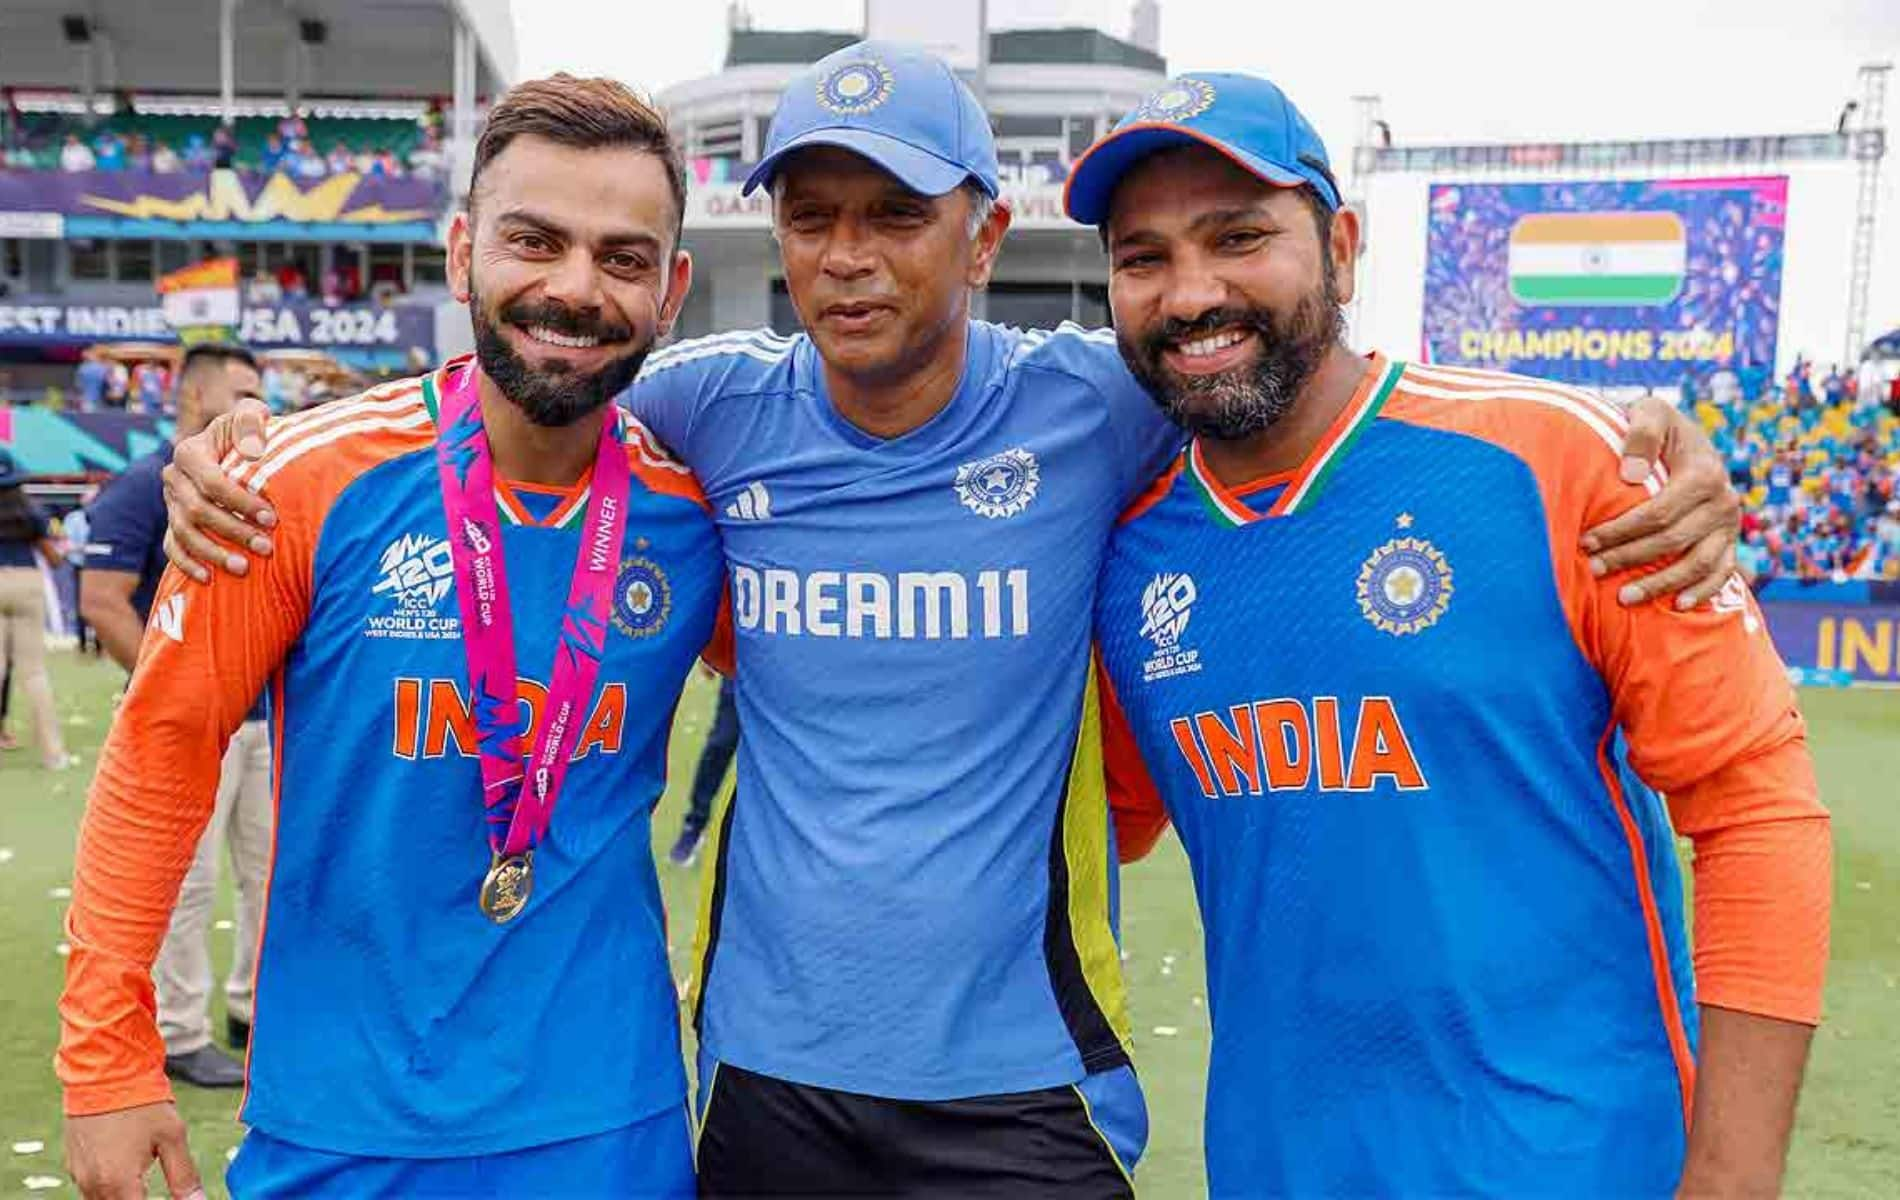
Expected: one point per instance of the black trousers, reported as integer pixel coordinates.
(767, 1137)
(722, 740)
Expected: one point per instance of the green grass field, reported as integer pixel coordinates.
(1847, 1143)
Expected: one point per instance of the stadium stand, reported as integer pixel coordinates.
(1817, 464)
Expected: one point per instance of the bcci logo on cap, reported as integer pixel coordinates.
(1405, 586)
(1179, 100)
(1166, 604)
(642, 598)
(1001, 485)
(855, 88)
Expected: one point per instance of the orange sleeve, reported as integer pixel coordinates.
(1134, 802)
(1704, 702)
(1713, 724)
(207, 653)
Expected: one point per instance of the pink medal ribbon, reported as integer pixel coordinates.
(519, 796)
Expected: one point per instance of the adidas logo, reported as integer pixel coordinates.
(753, 504)
(170, 618)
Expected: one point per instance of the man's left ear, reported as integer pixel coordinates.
(1344, 243)
(989, 243)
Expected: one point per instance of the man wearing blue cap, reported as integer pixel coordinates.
(908, 975)
(1445, 942)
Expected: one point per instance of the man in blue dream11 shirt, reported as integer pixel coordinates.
(124, 559)
(1409, 738)
(907, 967)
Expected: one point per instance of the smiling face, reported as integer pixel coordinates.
(880, 275)
(1226, 291)
(568, 265)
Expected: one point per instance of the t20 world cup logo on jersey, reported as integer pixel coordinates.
(414, 575)
(1166, 604)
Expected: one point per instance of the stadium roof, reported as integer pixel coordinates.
(1067, 46)
(370, 48)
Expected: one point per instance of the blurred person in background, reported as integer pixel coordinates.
(90, 379)
(722, 741)
(76, 156)
(23, 532)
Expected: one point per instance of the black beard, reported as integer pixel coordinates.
(1240, 403)
(552, 395)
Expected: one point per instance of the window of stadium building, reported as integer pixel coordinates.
(1046, 305)
(133, 262)
(89, 259)
(430, 265)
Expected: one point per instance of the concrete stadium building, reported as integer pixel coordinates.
(1050, 93)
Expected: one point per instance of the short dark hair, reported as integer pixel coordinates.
(584, 114)
(215, 354)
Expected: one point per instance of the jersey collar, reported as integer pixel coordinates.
(508, 504)
(1304, 484)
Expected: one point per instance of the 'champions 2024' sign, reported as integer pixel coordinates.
(1611, 283)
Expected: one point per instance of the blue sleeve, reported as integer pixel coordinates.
(127, 521)
(1146, 441)
(681, 381)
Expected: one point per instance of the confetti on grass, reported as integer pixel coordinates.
(41, 1183)
(62, 949)
(222, 925)
(28, 1147)
(1165, 1031)
(6, 854)
(61, 893)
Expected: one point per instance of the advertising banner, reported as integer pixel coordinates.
(288, 325)
(220, 204)
(1611, 284)
(1837, 643)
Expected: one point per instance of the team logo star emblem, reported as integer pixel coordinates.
(1179, 100)
(855, 88)
(1001, 485)
(1404, 586)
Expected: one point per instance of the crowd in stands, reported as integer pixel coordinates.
(303, 148)
(1817, 460)
(102, 383)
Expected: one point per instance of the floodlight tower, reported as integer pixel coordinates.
(1868, 148)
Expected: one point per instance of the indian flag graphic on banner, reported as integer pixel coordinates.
(1597, 258)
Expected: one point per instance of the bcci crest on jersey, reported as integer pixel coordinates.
(642, 598)
(1404, 586)
(1166, 604)
(1001, 485)
(415, 575)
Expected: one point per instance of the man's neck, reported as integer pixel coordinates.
(1285, 444)
(892, 407)
(550, 455)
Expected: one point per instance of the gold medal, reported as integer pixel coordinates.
(505, 891)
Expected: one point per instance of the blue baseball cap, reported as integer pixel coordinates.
(1244, 117)
(900, 107)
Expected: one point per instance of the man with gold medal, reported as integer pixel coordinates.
(487, 589)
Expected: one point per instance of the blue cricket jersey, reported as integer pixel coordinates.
(911, 896)
(392, 1018)
(1404, 734)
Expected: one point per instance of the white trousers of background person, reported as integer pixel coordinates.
(241, 820)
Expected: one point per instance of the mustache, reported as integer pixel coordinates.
(568, 322)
